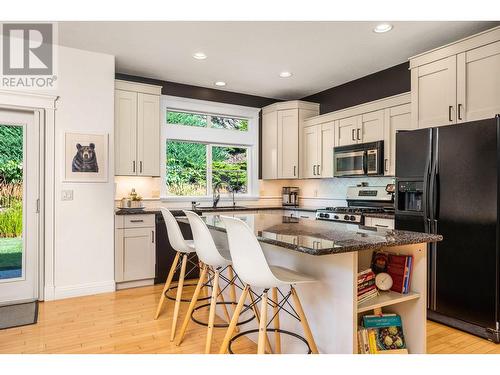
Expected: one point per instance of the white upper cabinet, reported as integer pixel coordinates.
(137, 129)
(348, 131)
(325, 168)
(434, 89)
(372, 127)
(396, 118)
(317, 150)
(478, 83)
(458, 82)
(281, 124)
(288, 143)
(125, 132)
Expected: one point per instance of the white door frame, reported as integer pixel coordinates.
(43, 107)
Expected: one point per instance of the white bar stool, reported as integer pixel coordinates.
(214, 263)
(252, 268)
(183, 248)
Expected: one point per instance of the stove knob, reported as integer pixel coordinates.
(336, 217)
(327, 216)
(352, 218)
(346, 217)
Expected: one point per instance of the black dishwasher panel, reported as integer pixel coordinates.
(165, 254)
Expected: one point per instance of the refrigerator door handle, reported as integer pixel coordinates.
(426, 196)
(434, 180)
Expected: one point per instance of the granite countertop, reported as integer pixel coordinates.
(178, 211)
(317, 237)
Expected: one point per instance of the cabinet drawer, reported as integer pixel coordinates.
(379, 222)
(138, 221)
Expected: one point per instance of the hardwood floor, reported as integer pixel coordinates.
(122, 322)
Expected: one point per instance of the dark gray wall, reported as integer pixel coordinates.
(388, 82)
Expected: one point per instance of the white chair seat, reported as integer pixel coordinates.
(190, 245)
(288, 276)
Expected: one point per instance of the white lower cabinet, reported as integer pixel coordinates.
(135, 253)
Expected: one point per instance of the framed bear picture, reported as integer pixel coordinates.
(86, 157)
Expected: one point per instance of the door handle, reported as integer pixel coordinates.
(140, 166)
(133, 166)
(153, 236)
(459, 110)
(318, 170)
(385, 165)
(358, 134)
(294, 170)
(314, 170)
(353, 131)
(450, 108)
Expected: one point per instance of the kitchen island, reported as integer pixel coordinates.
(334, 253)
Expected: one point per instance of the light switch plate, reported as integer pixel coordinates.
(67, 195)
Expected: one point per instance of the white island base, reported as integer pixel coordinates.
(331, 303)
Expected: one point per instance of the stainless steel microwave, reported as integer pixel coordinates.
(362, 159)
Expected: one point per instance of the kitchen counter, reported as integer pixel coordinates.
(317, 237)
(146, 211)
(178, 211)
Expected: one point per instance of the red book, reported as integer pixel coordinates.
(396, 267)
(365, 290)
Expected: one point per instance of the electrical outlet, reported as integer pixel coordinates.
(67, 195)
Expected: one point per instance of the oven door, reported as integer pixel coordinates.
(350, 163)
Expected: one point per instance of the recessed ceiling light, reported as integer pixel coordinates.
(199, 56)
(382, 28)
(285, 74)
(220, 83)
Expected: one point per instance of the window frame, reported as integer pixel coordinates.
(211, 136)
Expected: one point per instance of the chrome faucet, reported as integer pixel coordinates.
(194, 205)
(216, 194)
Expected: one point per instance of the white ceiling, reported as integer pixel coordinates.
(249, 56)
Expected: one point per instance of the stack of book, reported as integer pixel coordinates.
(398, 266)
(366, 285)
(381, 334)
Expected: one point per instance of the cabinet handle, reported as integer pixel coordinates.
(294, 170)
(153, 236)
(381, 226)
(385, 165)
(137, 221)
(140, 166)
(449, 113)
(314, 170)
(353, 131)
(318, 169)
(459, 111)
(133, 166)
(357, 134)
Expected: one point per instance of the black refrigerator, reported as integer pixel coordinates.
(447, 182)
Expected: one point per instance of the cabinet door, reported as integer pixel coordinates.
(372, 127)
(310, 148)
(327, 143)
(433, 91)
(478, 83)
(347, 129)
(148, 135)
(138, 254)
(288, 143)
(396, 118)
(270, 145)
(125, 133)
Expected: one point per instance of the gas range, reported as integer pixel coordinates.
(361, 200)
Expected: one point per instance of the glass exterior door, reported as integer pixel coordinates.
(19, 206)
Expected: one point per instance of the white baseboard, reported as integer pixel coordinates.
(49, 293)
(83, 289)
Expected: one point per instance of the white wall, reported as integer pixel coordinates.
(84, 227)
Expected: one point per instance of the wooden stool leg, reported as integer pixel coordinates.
(224, 306)
(192, 305)
(234, 320)
(211, 314)
(177, 306)
(167, 284)
(232, 288)
(257, 316)
(261, 343)
(277, 336)
(303, 321)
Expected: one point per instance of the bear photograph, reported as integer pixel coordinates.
(86, 157)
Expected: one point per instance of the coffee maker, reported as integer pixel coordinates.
(290, 196)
